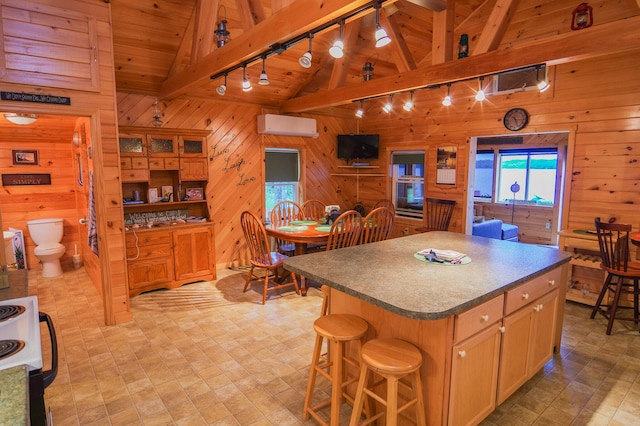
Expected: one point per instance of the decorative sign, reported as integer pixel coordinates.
(34, 97)
(26, 179)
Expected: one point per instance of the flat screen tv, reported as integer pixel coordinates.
(358, 147)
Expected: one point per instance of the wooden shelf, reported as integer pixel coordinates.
(359, 174)
(162, 204)
(358, 167)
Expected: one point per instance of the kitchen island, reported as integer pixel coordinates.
(484, 327)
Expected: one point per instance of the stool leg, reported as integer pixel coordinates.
(312, 376)
(417, 387)
(614, 305)
(392, 401)
(337, 352)
(603, 291)
(360, 396)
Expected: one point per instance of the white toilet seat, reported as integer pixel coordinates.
(49, 249)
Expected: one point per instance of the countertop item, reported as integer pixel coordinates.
(18, 285)
(14, 397)
(387, 274)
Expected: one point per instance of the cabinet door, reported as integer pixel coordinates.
(146, 275)
(162, 146)
(194, 169)
(193, 252)
(474, 374)
(192, 146)
(132, 145)
(544, 324)
(514, 352)
(48, 46)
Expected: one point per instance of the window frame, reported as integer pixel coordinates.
(297, 187)
(407, 179)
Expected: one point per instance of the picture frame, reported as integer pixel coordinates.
(446, 165)
(167, 193)
(153, 195)
(195, 194)
(24, 157)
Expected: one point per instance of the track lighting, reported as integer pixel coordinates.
(305, 60)
(389, 105)
(264, 80)
(409, 104)
(382, 39)
(480, 96)
(222, 89)
(360, 111)
(221, 34)
(337, 49)
(543, 84)
(447, 99)
(21, 119)
(246, 84)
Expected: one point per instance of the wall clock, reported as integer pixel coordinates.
(516, 119)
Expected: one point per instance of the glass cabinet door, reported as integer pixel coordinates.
(163, 146)
(192, 147)
(132, 145)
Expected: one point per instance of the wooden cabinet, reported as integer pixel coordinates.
(169, 257)
(585, 276)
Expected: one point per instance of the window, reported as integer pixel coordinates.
(282, 177)
(408, 183)
(521, 80)
(534, 170)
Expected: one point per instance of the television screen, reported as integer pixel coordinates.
(353, 147)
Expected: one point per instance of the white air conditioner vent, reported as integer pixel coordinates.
(273, 124)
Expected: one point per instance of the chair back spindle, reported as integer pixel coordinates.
(377, 225)
(345, 230)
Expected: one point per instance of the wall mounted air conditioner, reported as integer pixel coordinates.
(273, 124)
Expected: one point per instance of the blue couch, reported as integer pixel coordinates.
(495, 228)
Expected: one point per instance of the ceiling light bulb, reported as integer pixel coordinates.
(543, 86)
(382, 39)
(480, 96)
(388, 106)
(222, 89)
(246, 84)
(337, 50)
(264, 80)
(305, 60)
(359, 113)
(446, 101)
(21, 119)
(409, 104)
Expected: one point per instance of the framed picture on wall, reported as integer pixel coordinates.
(24, 157)
(446, 165)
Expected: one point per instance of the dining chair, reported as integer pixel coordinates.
(377, 225)
(613, 239)
(345, 230)
(438, 215)
(313, 209)
(385, 203)
(263, 258)
(282, 214)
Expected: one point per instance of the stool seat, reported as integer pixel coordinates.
(341, 327)
(394, 360)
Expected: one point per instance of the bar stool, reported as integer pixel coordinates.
(338, 329)
(393, 359)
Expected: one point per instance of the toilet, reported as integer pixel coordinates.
(47, 234)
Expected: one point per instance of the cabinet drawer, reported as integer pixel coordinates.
(148, 238)
(135, 175)
(476, 319)
(149, 252)
(160, 163)
(139, 163)
(529, 291)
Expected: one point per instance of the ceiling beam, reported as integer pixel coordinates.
(496, 25)
(601, 40)
(442, 37)
(341, 66)
(206, 12)
(298, 18)
(399, 49)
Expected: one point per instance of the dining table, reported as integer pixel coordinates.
(301, 233)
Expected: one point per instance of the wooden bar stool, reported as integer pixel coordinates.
(338, 329)
(393, 359)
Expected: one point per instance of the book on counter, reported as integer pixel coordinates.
(196, 219)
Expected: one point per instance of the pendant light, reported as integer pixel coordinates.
(389, 105)
(222, 89)
(337, 49)
(409, 104)
(382, 39)
(360, 111)
(157, 116)
(264, 80)
(221, 34)
(481, 96)
(246, 84)
(447, 99)
(305, 60)
(543, 84)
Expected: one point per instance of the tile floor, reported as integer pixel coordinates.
(208, 354)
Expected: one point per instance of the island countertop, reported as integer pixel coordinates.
(387, 274)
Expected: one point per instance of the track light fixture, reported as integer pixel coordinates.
(480, 95)
(382, 39)
(264, 80)
(222, 89)
(337, 49)
(543, 84)
(389, 105)
(221, 34)
(409, 104)
(447, 99)
(360, 111)
(305, 60)
(246, 84)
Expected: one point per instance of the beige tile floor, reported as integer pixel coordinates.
(208, 354)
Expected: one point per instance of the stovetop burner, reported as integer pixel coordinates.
(10, 311)
(10, 347)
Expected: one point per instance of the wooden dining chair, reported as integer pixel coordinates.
(613, 239)
(385, 203)
(345, 230)
(313, 209)
(263, 258)
(377, 225)
(282, 214)
(438, 215)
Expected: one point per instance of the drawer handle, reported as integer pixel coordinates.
(502, 329)
(552, 283)
(484, 318)
(462, 354)
(525, 296)
(538, 308)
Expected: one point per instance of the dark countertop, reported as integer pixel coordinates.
(18, 285)
(387, 275)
